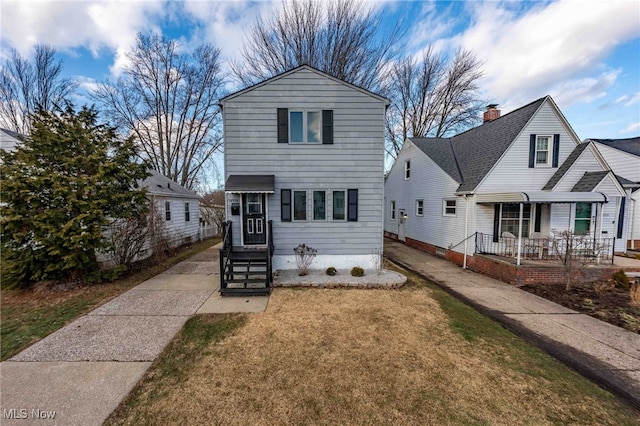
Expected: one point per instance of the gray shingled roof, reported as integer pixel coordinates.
(630, 145)
(626, 183)
(473, 154)
(589, 181)
(564, 167)
(440, 151)
(158, 184)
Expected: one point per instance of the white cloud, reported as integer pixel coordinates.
(633, 127)
(629, 100)
(66, 25)
(549, 48)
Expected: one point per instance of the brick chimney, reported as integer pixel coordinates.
(491, 113)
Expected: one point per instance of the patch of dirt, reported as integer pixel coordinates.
(613, 305)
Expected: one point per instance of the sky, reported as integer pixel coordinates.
(585, 54)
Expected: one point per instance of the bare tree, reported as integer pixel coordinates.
(167, 99)
(340, 37)
(431, 97)
(26, 86)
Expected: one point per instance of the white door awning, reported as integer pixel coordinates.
(541, 197)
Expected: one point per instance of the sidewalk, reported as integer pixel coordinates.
(79, 374)
(607, 354)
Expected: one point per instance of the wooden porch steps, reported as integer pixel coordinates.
(246, 273)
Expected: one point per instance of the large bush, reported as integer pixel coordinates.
(60, 189)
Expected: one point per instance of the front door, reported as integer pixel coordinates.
(401, 222)
(253, 219)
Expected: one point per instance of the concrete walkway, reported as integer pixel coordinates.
(607, 354)
(79, 374)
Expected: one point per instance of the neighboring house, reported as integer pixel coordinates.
(177, 207)
(211, 220)
(623, 156)
(304, 153)
(514, 177)
(9, 140)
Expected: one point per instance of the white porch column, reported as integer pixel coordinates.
(466, 230)
(601, 213)
(520, 234)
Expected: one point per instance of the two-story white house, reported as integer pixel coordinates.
(304, 164)
(509, 184)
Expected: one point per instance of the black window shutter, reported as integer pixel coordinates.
(327, 127)
(536, 226)
(532, 151)
(352, 215)
(556, 150)
(621, 218)
(496, 222)
(283, 125)
(285, 205)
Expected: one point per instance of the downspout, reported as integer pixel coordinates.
(466, 230)
(520, 234)
(600, 234)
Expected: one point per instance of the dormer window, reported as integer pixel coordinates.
(543, 150)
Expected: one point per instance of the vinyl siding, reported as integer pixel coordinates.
(178, 230)
(587, 162)
(431, 184)
(353, 161)
(622, 163)
(511, 172)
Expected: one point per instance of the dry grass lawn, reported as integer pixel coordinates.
(412, 356)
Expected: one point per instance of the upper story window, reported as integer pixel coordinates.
(543, 150)
(305, 126)
(407, 169)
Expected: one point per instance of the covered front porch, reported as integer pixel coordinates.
(546, 226)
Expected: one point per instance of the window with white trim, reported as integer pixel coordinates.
(419, 207)
(305, 126)
(510, 218)
(319, 205)
(187, 213)
(393, 210)
(543, 150)
(339, 205)
(167, 210)
(407, 169)
(449, 207)
(299, 205)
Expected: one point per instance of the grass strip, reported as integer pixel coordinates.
(27, 316)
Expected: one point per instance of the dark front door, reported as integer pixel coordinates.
(254, 229)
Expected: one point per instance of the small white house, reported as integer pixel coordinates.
(176, 206)
(522, 175)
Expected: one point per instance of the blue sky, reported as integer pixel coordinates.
(586, 54)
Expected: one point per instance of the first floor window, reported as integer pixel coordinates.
(319, 205)
(167, 210)
(510, 217)
(449, 207)
(187, 213)
(393, 210)
(419, 207)
(299, 205)
(583, 219)
(339, 205)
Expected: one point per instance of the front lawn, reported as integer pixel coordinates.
(408, 356)
(29, 315)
